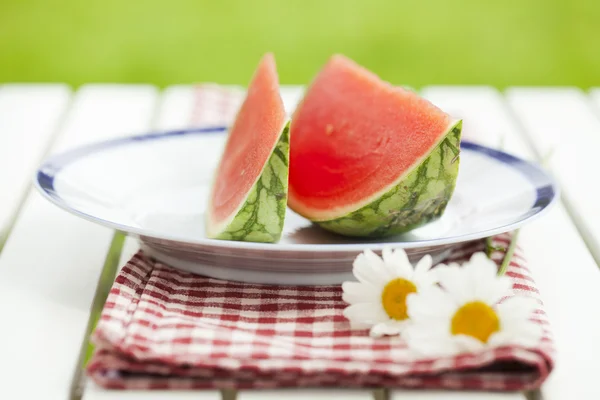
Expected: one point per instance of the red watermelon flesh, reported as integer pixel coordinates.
(354, 137)
(251, 141)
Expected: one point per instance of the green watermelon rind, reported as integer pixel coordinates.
(261, 217)
(421, 197)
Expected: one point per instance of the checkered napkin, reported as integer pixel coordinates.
(166, 329)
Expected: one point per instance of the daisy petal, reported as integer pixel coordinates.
(425, 341)
(390, 327)
(365, 313)
(368, 268)
(520, 306)
(379, 266)
(455, 280)
(424, 264)
(355, 298)
(423, 275)
(387, 254)
(492, 290)
(516, 311)
(397, 262)
(525, 335)
(468, 344)
(483, 265)
(356, 292)
(432, 304)
(357, 325)
(360, 269)
(354, 287)
(484, 281)
(373, 259)
(425, 281)
(388, 260)
(481, 273)
(529, 336)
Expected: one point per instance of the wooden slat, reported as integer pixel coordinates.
(291, 95)
(50, 265)
(564, 269)
(458, 395)
(102, 112)
(563, 128)
(595, 94)
(484, 116)
(176, 107)
(130, 247)
(97, 393)
(304, 394)
(29, 117)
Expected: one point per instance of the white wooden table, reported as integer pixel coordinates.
(51, 263)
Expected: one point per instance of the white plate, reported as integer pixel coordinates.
(155, 187)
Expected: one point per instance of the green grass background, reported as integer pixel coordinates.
(502, 43)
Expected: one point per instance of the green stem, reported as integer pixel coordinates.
(509, 254)
(490, 248)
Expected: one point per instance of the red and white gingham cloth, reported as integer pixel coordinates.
(166, 329)
(215, 104)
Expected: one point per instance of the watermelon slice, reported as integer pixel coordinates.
(249, 194)
(367, 158)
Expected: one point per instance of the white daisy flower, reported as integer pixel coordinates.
(467, 313)
(378, 300)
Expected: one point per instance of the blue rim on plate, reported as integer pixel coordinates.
(547, 193)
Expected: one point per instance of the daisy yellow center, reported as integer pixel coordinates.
(476, 319)
(393, 297)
